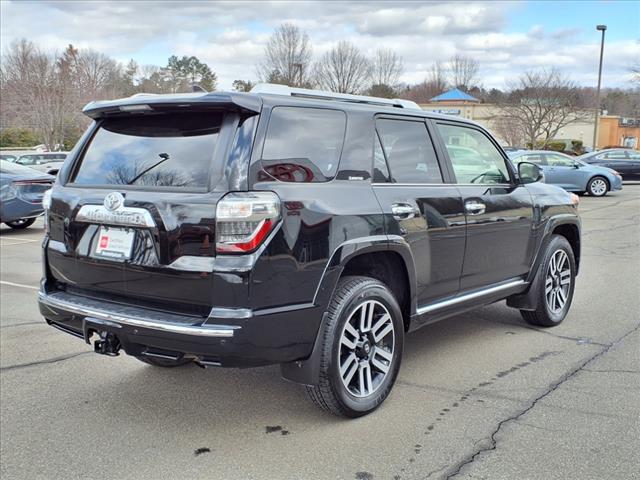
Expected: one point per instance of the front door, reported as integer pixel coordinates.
(419, 206)
(562, 171)
(498, 211)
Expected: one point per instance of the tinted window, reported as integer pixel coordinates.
(157, 150)
(615, 155)
(409, 151)
(380, 169)
(475, 159)
(303, 144)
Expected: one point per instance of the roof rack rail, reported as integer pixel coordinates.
(275, 89)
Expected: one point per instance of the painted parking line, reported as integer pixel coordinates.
(30, 287)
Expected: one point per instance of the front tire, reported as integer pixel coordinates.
(554, 283)
(21, 223)
(598, 187)
(362, 349)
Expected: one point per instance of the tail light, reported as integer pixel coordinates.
(244, 220)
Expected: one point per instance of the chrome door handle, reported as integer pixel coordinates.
(403, 211)
(474, 207)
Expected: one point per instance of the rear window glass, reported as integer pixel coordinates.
(152, 151)
(303, 144)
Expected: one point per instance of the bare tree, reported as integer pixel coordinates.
(387, 67)
(434, 84)
(541, 103)
(343, 69)
(509, 131)
(287, 57)
(463, 72)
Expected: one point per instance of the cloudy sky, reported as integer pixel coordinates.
(506, 37)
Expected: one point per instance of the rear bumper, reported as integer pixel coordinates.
(17, 208)
(232, 338)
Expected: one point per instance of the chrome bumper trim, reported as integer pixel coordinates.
(205, 330)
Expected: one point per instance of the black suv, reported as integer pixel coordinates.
(297, 227)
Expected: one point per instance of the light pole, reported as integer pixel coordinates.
(601, 28)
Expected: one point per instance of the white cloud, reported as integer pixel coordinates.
(230, 36)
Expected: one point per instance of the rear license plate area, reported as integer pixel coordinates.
(114, 243)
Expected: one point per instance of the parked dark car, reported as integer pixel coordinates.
(21, 192)
(295, 227)
(570, 173)
(624, 161)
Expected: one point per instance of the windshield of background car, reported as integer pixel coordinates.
(165, 150)
(303, 144)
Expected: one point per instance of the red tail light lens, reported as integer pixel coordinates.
(244, 220)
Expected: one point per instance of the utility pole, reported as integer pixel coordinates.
(601, 28)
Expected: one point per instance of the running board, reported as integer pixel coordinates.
(469, 296)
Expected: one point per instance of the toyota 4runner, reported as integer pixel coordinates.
(295, 227)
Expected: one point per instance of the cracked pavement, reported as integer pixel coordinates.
(480, 396)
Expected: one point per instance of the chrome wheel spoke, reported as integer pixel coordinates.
(364, 379)
(366, 347)
(381, 361)
(548, 285)
(565, 277)
(348, 368)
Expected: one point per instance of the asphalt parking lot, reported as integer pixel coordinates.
(480, 396)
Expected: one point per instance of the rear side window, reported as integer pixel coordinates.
(152, 151)
(303, 144)
(409, 151)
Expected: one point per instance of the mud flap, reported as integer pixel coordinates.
(307, 371)
(529, 299)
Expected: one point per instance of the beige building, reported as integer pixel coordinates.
(458, 103)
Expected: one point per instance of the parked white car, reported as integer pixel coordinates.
(47, 162)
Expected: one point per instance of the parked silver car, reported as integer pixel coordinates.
(46, 162)
(570, 173)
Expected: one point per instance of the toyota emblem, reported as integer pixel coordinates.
(113, 201)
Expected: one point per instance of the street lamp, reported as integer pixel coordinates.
(601, 28)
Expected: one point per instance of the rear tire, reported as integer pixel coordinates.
(554, 284)
(362, 348)
(598, 186)
(21, 223)
(164, 362)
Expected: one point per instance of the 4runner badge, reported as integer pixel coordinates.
(113, 201)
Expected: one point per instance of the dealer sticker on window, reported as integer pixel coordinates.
(115, 243)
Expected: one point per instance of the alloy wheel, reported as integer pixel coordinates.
(557, 281)
(598, 187)
(366, 348)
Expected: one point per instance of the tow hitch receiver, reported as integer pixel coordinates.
(107, 344)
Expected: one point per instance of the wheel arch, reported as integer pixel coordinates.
(378, 257)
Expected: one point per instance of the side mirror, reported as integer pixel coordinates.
(529, 172)
(576, 165)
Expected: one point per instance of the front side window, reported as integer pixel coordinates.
(615, 155)
(303, 144)
(409, 152)
(559, 161)
(475, 159)
(27, 160)
(165, 150)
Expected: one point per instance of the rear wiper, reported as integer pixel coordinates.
(163, 156)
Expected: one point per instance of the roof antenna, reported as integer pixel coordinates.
(197, 88)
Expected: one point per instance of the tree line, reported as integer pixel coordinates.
(42, 93)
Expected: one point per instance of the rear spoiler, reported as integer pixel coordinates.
(149, 102)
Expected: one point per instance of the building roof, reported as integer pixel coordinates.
(454, 95)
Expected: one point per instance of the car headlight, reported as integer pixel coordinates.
(575, 199)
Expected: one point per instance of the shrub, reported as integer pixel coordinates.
(18, 137)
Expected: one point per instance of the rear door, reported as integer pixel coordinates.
(136, 217)
(498, 211)
(419, 203)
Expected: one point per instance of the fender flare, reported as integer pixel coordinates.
(307, 371)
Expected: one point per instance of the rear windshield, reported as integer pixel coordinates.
(173, 151)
